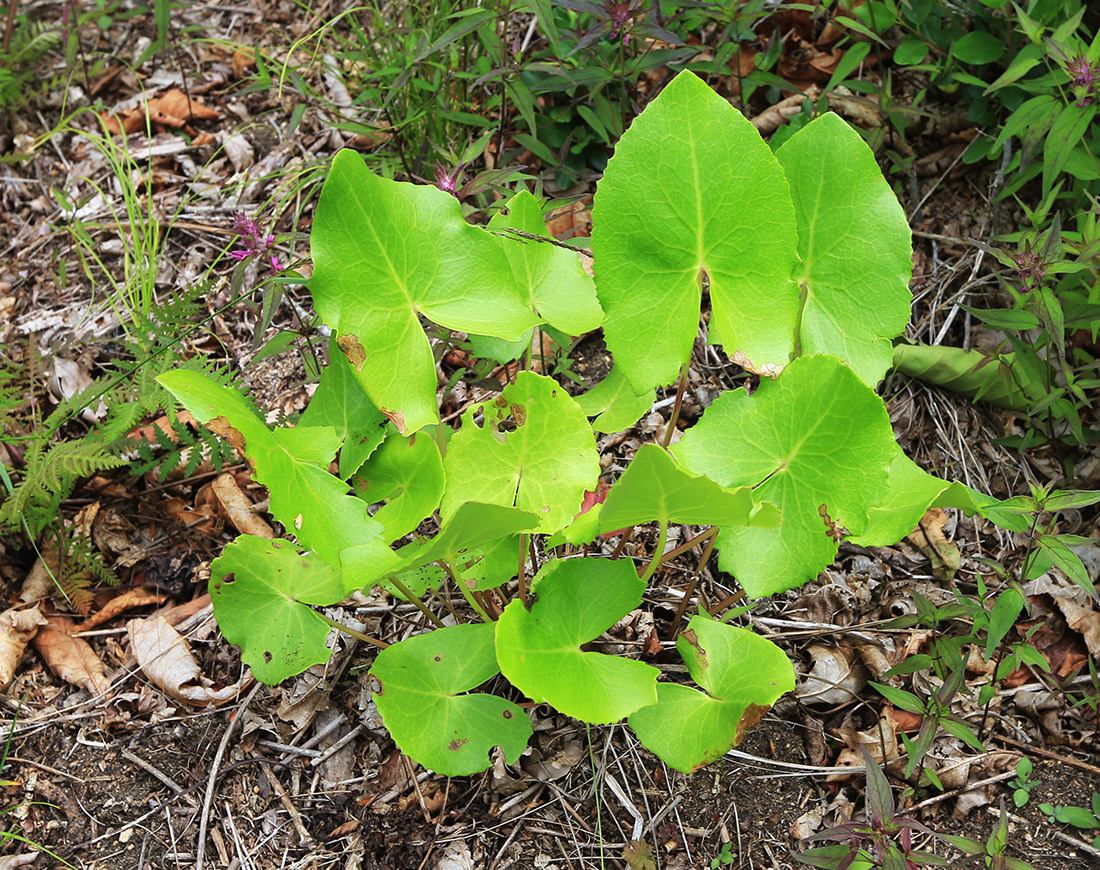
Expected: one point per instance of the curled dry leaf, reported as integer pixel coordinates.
(836, 676)
(39, 584)
(71, 658)
(166, 659)
(128, 600)
(878, 739)
(239, 508)
(17, 628)
(930, 538)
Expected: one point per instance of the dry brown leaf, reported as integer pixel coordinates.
(877, 738)
(71, 658)
(239, 508)
(1084, 620)
(176, 615)
(175, 103)
(17, 627)
(128, 600)
(166, 659)
(39, 584)
(24, 859)
(243, 60)
(930, 538)
(836, 676)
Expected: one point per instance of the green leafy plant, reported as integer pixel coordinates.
(807, 286)
(991, 852)
(884, 839)
(724, 857)
(1023, 783)
(1085, 818)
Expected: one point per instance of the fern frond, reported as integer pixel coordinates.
(48, 478)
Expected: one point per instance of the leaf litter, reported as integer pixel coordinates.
(404, 810)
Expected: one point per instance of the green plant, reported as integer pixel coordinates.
(807, 286)
(724, 857)
(24, 44)
(1085, 818)
(884, 839)
(1046, 96)
(992, 852)
(1023, 783)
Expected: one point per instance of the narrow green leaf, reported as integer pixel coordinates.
(1065, 133)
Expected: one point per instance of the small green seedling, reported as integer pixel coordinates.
(1023, 783)
(1085, 818)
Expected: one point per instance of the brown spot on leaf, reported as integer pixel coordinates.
(268, 656)
(519, 414)
(351, 347)
(397, 418)
(749, 720)
(700, 654)
(456, 744)
(769, 370)
(833, 529)
(507, 714)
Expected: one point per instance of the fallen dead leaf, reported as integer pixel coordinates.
(17, 628)
(930, 538)
(128, 600)
(836, 676)
(39, 583)
(24, 859)
(166, 659)
(239, 508)
(171, 110)
(71, 658)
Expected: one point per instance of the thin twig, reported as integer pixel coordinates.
(212, 779)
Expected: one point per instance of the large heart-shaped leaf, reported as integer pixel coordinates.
(292, 463)
(384, 253)
(855, 246)
(654, 487)
(423, 702)
(261, 591)
(692, 194)
(742, 674)
(533, 449)
(539, 647)
(817, 443)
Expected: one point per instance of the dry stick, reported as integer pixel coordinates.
(711, 534)
(1046, 753)
(212, 778)
(358, 635)
(415, 600)
(947, 795)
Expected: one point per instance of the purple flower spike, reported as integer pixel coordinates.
(255, 244)
(448, 181)
(1086, 76)
(1031, 268)
(620, 13)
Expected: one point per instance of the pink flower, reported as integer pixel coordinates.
(254, 242)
